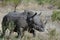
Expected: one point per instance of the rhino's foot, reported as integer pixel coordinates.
(1, 36)
(34, 35)
(16, 36)
(33, 32)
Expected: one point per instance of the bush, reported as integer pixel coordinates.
(39, 1)
(56, 16)
(53, 35)
(14, 2)
(55, 3)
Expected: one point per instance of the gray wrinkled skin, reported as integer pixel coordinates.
(39, 24)
(15, 19)
(19, 21)
(11, 19)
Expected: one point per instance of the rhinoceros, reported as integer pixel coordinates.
(17, 20)
(10, 21)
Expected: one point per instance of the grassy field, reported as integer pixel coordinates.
(52, 28)
(51, 35)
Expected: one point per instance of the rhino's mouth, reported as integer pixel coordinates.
(41, 30)
(38, 28)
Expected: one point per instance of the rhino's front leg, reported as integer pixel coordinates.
(20, 33)
(32, 31)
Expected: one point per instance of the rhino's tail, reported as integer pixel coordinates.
(4, 21)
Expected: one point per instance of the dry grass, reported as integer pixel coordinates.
(51, 35)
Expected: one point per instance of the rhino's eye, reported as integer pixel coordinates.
(37, 28)
(42, 26)
(30, 19)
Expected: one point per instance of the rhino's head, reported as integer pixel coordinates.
(38, 24)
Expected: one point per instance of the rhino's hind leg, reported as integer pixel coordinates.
(3, 30)
(9, 37)
(18, 31)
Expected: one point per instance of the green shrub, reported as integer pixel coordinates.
(14, 2)
(39, 1)
(53, 35)
(56, 16)
(55, 3)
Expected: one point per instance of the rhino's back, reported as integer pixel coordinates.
(15, 15)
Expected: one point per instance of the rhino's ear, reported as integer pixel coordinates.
(33, 15)
(40, 13)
